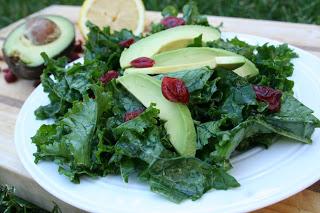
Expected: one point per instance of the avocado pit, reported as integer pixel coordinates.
(41, 31)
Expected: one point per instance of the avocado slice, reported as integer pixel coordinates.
(197, 57)
(179, 123)
(170, 39)
(52, 34)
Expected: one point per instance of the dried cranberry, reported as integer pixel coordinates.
(6, 70)
(131, 115)
(175, 90)
(108, 76)
(9, 76)
(74, 56)
(270, 96)
(127, 43)
(142, 62)
(1, 58)
(91, 94)
(78, 47)
(172, 21)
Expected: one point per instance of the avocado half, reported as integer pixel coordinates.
(54, 35)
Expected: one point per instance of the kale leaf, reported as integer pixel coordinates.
(103, 45)
(182, 178)
(66, 85)
(274, 62)
(295, 118)
(190, 13)
(70, 140)
(140, 137)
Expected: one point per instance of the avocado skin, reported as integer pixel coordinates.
(21, 70)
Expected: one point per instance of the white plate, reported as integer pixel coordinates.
(266, 176)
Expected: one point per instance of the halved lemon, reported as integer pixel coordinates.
(118, 14)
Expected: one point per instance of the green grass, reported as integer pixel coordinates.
(303, 11)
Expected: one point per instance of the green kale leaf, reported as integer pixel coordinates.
(274, 62)
(295, 118)
(191, 16)
(70, 141)
(103, 45)
(140, 137)
(187, 178)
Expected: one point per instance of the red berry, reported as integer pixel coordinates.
(9, 76)
(172, 21)
(73, 56)
(270, 96)
(175, 90)
(91, 94)
(127, 43)
(131, 115)
(108, 76)
(142, 62)
(6, 70)
(78, 47)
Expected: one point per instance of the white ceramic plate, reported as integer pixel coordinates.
(266, 176)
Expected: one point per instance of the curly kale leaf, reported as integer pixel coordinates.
(187, 178)
(191, 16)
(274, 62)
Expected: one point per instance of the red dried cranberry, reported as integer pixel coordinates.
(131, 115)
(172, 21)
(78, 47)
(175, 90)
(74, 56)
(9, 76)
(142, 62)
(270, 96)
(91, 94)
(108, 76)
(6, 70)
(127, 43)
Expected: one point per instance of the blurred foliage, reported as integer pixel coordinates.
(12, 10)
(304, 11)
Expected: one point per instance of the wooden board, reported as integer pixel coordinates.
(12, 97)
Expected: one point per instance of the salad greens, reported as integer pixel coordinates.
(191, 16)
(274, 63)
(90, 137)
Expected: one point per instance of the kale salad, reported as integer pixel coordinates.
(170, 107)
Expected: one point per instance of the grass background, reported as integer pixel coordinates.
(303, 11)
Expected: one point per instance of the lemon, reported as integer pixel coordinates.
(118, 14)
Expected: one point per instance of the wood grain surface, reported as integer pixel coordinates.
(12, 96)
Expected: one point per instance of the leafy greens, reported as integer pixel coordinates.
(90, 137)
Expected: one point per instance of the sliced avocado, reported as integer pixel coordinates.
(179, 123)
(196, 57)
(247, 70)
(54, 35)
(170, 39)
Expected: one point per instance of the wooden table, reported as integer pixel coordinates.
(13, 95)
